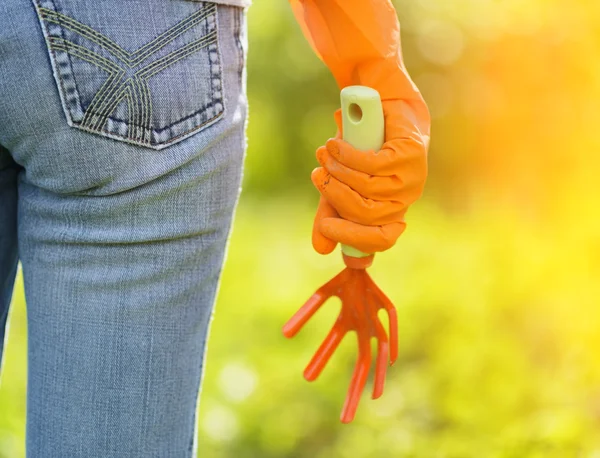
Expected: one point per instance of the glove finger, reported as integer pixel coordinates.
(352, 206)
(368, 239)
(376, 188)
(320, 243)
(403, 157)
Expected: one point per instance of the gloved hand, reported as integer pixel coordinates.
(365, 195)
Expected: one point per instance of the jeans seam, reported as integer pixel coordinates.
(216, 70)
(54, 63)
(62, 33)
(238, 39)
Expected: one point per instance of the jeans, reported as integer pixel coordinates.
(122, 138)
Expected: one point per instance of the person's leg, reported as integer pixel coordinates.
(121, 243)
(119, 292)
(8, 239)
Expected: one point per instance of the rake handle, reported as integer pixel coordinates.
(363, 128)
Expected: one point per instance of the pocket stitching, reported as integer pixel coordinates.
(139, 128)
(129, 58)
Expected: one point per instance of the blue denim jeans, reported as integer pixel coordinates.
(122, 137)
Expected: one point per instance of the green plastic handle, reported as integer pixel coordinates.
(363, 127)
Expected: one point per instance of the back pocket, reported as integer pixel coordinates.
(146, 72)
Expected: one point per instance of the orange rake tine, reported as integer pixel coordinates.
(324, 353)
(393, 318)
(383, 353)
(387, 304)
(357, 385)
(385, 301)
(310, 307)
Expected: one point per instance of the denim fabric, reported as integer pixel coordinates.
(244, 3)
(121, 221)
(115, 75)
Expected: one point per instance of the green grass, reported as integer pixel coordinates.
(493, 360)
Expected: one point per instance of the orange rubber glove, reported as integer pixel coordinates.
(365, 195)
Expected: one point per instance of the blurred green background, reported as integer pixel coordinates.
(496, 279)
